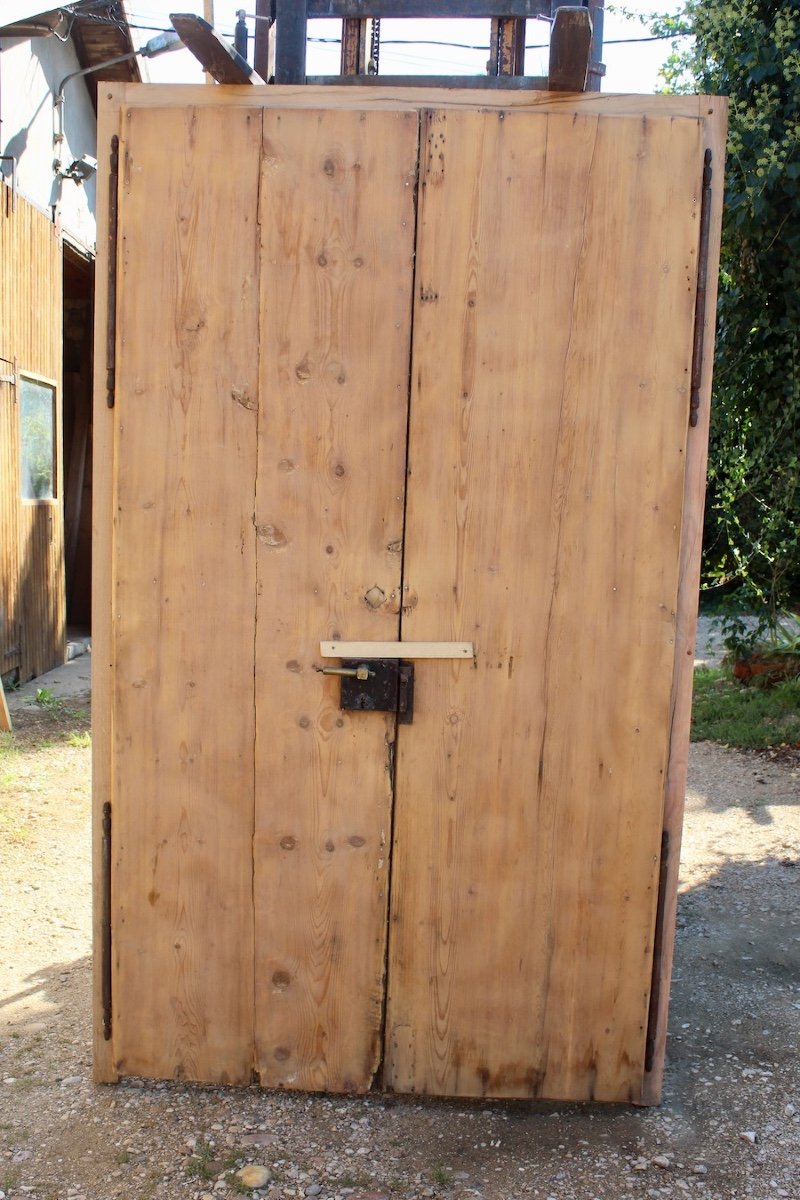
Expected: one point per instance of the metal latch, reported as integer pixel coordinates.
(385, 685)
(362, 671)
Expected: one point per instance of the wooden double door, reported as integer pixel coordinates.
(395, 374)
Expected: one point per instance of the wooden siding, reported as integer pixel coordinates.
(32, 547)
(9, 527)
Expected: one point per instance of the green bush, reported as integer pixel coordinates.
(749, 50)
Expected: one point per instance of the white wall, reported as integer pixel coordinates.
(30, 73)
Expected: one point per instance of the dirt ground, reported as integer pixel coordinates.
(729, 1127)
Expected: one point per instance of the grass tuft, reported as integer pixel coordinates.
(747, 717)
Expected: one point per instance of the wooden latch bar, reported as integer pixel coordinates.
(463, 650)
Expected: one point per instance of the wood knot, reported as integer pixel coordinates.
(271, 536)
(242, 396)
(375, 597)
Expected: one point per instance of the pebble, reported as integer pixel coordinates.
(790, 1110)
(253, 1176)
(700, 1169)
(71, 1080)
(661, 1161)
(313, 1189)
(747, 1135)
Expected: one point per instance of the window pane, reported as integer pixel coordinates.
(37, 439)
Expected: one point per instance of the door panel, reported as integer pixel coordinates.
(274, 490)
(184, 603)
(337, 229)
(556, 266)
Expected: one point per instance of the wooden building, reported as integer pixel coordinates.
(47, 240)
(32, 603)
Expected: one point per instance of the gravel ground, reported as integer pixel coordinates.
(729, 1127)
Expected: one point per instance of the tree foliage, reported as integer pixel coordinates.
(749, 50)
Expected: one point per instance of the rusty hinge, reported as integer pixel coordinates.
(700, 301)
(111, 321)
(658, 956)
(106, 923)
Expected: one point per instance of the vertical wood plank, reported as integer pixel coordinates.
(337, 224)
(103, 527)
(184, 593)
(548, 426)
(714, 135)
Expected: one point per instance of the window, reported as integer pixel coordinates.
(37, 420)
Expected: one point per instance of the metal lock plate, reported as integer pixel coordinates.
(389, 688)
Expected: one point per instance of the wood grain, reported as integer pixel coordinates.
(552, 342)
(714, 135)
(103, 527)
(184, 594)
(337, 225)
(403, 98)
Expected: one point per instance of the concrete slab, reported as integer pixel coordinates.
(73, 680)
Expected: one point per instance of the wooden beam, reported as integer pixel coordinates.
(462, 650)
(507, 46)
(354, 46)
(290, 50)
(263, 38)
(570, 46)
(214, 54)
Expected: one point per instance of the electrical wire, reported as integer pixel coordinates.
(99, 18)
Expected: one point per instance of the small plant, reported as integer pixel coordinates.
(80, 740)
(441, 1176)
(201, 1163)
(764, 645)
(122, 1158)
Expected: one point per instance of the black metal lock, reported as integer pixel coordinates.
(389, 687)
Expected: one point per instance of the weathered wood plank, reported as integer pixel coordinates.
(570, 48)
(521, 943)
(184, 594)
(221, 62)
(103, 526)
(715, 130)
(402, 98)
(337, 224)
